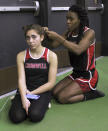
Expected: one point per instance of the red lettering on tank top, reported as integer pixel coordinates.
(36, 65)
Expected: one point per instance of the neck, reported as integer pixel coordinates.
(75, 32)
(38, 50)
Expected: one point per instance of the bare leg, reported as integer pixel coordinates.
(61, 85)
(76, 98)
(71, 93)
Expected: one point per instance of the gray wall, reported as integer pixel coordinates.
(95, 18)
(12, 37)
(57, 19)
(99, 22)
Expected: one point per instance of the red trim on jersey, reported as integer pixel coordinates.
(45, 54)
(90, 53)
(86, 28)
(27, 54)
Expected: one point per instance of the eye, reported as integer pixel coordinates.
(34, 36)
(69, 18)
(27, 37)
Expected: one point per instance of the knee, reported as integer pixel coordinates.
(35, 116)
(62, 99)
(16, 117)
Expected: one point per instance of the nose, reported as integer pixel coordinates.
(68, 21)
(31, 39)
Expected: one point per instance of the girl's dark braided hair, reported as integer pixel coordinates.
(83, 16)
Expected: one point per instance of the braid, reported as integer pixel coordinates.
(83, 16)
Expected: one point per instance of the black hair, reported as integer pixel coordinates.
(83, 16)
(35, 27)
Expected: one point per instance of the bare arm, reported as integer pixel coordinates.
(76, 48)
(21, 80)
(53, 63)
(53, 43)
(21, 74)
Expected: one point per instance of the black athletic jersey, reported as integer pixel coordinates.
(36, 69)
(85, 61)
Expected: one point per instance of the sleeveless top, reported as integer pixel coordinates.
(85, 62)
(36, 69)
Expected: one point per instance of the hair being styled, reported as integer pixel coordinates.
(35, 27)
(83, 16)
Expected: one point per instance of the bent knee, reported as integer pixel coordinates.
(62, 99)
(16, 117)
(55, 92)
(35, 116)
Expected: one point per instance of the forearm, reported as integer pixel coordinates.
(55, 44)
(23, 90)
(44, 88)
(24, 100)
(51, 44)
(70, 45)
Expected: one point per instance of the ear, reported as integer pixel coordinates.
(42, 37)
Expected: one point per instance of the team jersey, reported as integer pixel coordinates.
(36, 69)
(85, 61)
(84, 72)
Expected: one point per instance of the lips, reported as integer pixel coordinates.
(69, 25)
(31, 46)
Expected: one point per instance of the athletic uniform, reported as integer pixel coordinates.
(84, 72)
(36, 72)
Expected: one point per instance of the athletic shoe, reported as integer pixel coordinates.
(93, 94)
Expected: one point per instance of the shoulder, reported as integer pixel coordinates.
(52, 56)
(89, 31)
(89, 34)
(21, 55)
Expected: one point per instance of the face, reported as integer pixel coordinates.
(73, 21)
(33, 39)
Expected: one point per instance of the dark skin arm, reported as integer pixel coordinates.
(79, 48)
(55, 43)
(52, 43)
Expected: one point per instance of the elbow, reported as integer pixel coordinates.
(78, 52)
(54, 46)
(51, 86)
